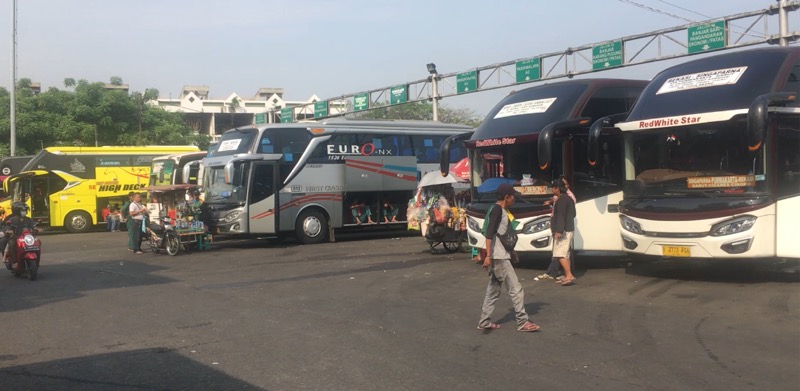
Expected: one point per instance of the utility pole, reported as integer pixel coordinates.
(13, 108)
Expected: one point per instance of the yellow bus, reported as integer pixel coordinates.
(71, 187)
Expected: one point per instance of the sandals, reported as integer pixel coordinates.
(529, 327)
(491, 326)
(566, 282)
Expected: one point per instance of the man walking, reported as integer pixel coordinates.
(562, 225)
(498, 262)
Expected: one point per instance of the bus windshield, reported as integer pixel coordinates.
(516, 164)
(709, 160)
(162, 172)
(219, 192)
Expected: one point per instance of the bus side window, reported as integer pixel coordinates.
(427, 148)
(788, 170)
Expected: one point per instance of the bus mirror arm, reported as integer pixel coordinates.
(444, 151)
(228, 172)
(187, 172)
(545, 142)
(757, 116)
(596, 130)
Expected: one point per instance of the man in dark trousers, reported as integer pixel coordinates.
(562, 224)
(126, 215)
(498, 262)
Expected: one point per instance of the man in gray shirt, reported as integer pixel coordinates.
(498, 262)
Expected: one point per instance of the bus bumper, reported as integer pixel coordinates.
(538, 242)
(692, 239)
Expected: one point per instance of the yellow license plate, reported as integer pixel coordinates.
(675, 251)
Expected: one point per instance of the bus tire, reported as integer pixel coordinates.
(311, 227)
(78, 222)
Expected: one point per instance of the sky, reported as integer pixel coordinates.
(322, 47)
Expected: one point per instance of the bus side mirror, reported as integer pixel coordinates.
(543, 147)
(161, 176)
(228, 172)
(594, 135)
(186, 172)
(444, 151)
(757, 116)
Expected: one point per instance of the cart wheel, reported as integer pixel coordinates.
(451, 247)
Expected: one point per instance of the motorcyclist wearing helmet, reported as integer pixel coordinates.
(13, 226)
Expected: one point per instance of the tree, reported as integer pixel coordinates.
(116, 81)
(421, 111)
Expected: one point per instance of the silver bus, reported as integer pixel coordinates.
(302, 178)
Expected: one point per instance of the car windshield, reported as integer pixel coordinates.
(709, 160)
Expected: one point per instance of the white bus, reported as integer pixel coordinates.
(534, 136)
(712, 159)
(302, 178)
(177, 169)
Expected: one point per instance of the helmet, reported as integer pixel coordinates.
(18, 207)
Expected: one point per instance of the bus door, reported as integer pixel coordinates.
(262, 198)
(788, 190)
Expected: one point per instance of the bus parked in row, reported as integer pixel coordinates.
(712, 159)
(303, 178)
(181, 168)
(70, 186)
(534, 136)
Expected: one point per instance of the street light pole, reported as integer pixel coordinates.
(434, 90)
(13, 107)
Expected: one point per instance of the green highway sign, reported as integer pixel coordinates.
(260, 118)
(321, 109)
(466, 82)
(361, 102)
(607, 55)
(706, 37)
(529, 70)
(398, 94)
(287, 115)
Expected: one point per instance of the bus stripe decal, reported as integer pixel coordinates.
(300, 201)
(401, 168)
(411, 178)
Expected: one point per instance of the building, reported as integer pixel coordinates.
(215, 116)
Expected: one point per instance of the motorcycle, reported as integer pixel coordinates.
(28, 255)
(162, 236)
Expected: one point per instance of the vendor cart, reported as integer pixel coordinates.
(177, 209)
(440, 223)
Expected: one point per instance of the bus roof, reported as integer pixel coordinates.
(186, 156)
(723, 82)
(528, 111)
(333, 125)
(148, 149)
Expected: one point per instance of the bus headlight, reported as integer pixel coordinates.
(630, 225)
(473, 225)
(536, 226)
(28, 239)
(230, 217)
(733, 226)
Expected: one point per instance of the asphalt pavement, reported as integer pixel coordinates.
(381, 312)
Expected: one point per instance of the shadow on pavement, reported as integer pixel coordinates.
(60, 282)
(742, 271)
(147, 369)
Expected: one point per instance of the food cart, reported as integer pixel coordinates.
(436, 212)
(177, 208)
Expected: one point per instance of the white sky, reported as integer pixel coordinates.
(321, 47)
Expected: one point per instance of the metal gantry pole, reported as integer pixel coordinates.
(783, 22)
(13, 108)
(435, 93)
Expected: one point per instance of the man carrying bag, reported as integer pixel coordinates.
(498, 262)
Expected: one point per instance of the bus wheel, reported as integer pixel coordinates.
(78, 222)
(311, 227)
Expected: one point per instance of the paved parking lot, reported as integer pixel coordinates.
(382, 313)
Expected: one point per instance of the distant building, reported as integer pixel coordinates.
(215, 116)
(121, 87)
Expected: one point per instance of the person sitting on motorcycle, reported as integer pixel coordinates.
(13, 226)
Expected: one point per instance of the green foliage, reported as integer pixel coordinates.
(421, 111)
(90, 115)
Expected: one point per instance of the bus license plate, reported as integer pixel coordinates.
(675, 251)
